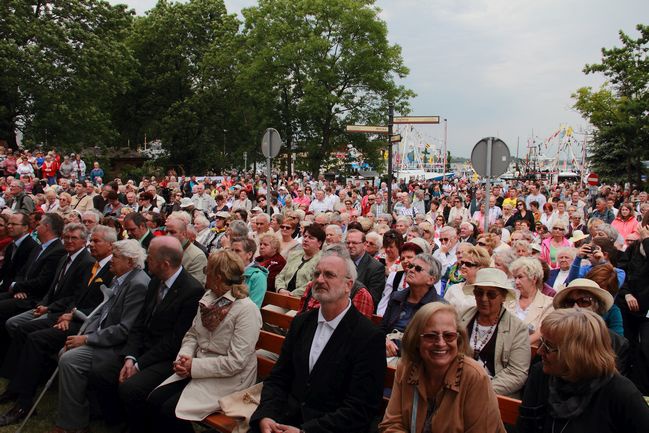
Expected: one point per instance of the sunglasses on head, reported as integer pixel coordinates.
(583, 302)
(491, 295)
(434, 337)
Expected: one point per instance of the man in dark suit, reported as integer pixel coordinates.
(370, 271)
(29, 288)
(329, 376)
(18, 251)
(38, 334)
(147, 359)
(69, 281)
(135, 226)
(466, 233)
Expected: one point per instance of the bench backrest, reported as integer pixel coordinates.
(284, 301)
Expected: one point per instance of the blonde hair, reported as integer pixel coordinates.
(531, 267)
(583, 341)
(230, 267)
(411, 337)
(479, 255)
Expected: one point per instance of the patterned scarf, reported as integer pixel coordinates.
(212, 315)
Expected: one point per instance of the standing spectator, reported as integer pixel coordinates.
(602, 211)
(79, 167)
(625, 222)
(21, 202)
(96, 172)
(49, 169)
(66, 168)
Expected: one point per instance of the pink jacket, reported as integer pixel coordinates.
(625, 228)
(545, 251)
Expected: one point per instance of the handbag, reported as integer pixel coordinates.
(241, 405)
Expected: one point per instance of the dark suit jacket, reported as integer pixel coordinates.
(371, 273)
(342, 393)
(470, 240)
(88, 299)
(158, 332)
(39, 273)
(73, 283)
(11, 268)
(147, 240)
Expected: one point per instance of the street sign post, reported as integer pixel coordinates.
(592, 179)
(490, 157)
(271, 143)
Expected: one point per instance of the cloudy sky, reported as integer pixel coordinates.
(503, 68)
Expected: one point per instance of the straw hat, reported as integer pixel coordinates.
(492, 277)
(577, 236)
(590, 286)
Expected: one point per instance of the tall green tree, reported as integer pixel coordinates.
(619, 110)
(182, 94)
(314, 66)
(64, 63)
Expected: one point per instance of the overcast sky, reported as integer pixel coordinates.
(502, 68)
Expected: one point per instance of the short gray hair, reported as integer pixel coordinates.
(92, 213)
(73, 227)
(531, 267)
(131, 249)
(108, 233)
(435, 265)
(336, 228)
(385, 216)
(339, 250)
(238, 228)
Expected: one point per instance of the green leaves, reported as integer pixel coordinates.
(619, 109)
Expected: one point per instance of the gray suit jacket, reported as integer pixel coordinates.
(122, 313)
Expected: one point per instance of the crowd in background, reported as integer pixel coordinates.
(547, 247)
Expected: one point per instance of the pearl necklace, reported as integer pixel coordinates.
(479, 342)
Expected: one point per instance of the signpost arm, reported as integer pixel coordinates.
(390, 124)
(488, 184)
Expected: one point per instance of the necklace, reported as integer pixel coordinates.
(480, 341)
(564, 426)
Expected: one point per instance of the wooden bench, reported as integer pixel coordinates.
(508, 409)
(284, 301)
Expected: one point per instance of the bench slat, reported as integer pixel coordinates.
(275, 318)
(284, 301)
(508, 409)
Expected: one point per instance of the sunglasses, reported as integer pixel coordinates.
(434, 337)
(546, 347)
(285, 227)
(417, 268)
(443, 239)
(583, 302)
(491, 294)
(468, 264)
(482, 244)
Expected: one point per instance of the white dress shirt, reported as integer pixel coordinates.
(323, 333)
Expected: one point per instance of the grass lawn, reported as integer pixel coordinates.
(45, 416)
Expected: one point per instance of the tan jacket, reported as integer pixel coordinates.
(540, 307)
(224, 361)
(82, 204)
(304, 275)
(512, 358)
(466, 402)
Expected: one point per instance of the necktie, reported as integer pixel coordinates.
(13, 250)
(114, 287)
(162, 292)
(62, 273)
(95, 268)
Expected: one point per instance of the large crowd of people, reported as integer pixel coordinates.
(146, 293)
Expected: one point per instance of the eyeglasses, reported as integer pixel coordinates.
(468, 264)
(583, 302)
(557, 228)
(546, 347)
(519, 204)
(353, 243)
(285, 227)
(491, 294)
(443, 239)
(482, 244)
(434, 337)
(417, 268)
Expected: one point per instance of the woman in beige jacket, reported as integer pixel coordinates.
(437, 386)
(217, 356)
(497, 338)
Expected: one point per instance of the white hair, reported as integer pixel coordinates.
(131, 249)
(181, 215)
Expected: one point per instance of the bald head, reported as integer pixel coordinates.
(164, 257)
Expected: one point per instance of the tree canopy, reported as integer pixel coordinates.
(619, 110)
(82, 73)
